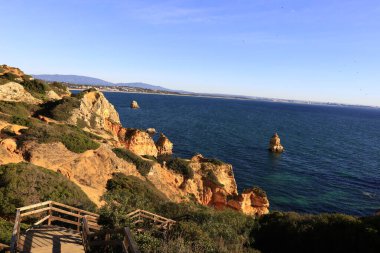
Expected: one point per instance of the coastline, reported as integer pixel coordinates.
(232, 97)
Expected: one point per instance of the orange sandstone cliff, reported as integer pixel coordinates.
(211, 182)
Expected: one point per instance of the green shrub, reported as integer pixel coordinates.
(36, 87)
(6, 229)
(61, 109)
(22, 121)
(142, 165)
(75, 139)
(24, 184)
(58, 88)
(18, 108)
(10, 77)
(292, 232)
(126, 194)
(181, 166)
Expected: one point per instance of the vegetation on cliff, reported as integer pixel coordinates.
(25, 184)
(142, 165)
(198, 229)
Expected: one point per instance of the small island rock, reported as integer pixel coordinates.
(135, 105)
(275, 144)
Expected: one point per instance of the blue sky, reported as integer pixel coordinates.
(310, 50)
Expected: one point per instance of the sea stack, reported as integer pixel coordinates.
(135, 105)
(275, 144)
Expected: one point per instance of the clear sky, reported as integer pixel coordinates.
(310, 50)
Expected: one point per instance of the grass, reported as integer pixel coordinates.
(22, 121)
(74, 139)
(142, 165)
(210, 176)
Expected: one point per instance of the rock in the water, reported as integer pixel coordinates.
(164, 145)
(135, 105)
(275, 144)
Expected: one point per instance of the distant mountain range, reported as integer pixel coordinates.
(75, 79)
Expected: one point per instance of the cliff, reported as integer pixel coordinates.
(78, 135)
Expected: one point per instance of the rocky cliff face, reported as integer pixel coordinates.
(15, 92)
(208, 181)
(251, 202)
(95, 111)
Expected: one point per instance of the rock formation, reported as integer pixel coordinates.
(135, 105)
(139, 142)
(275, 144)
(164, 145)
(211, 183)
(95, 111)
(251, 201)
(4, 69)
(15, 92)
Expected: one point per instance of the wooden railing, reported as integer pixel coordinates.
(54, 212)
(159, 221)
(93, 237)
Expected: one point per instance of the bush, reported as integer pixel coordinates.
(58, 88)
(215, 161)
(61, 109)
(181, 166)
(18, 109)
(75, 139)
(25, 184)
(6, 229)
(22, 121)
(259, 192)
(292, 232)
(36, 87)
(142, 165)
(126, 194)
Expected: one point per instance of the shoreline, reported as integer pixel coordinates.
(231, 97)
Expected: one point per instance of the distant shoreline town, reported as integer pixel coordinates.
(128, 89)
(75, 82)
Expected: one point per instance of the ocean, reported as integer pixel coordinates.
(332, 157)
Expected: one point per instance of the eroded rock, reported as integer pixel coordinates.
(275, 144)
(164, 145)
(135, 105)
(15, 92)
(251, 202)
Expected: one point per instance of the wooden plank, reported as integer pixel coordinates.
(75, 209)
(35, 211)
(42, 220)
(53, 218)
(66, 212)
(35, 205)
(158, 216)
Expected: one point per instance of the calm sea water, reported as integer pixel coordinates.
(332, 158)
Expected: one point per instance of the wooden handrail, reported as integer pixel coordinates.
(16, 231)
(129, 245)
(49, 207)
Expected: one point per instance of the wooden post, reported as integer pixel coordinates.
(78, 220)
(50, 214)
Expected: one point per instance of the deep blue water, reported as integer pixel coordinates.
(332, 158)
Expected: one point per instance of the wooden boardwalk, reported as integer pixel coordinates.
(51, 239)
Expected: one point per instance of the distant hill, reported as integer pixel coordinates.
(75, 79)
